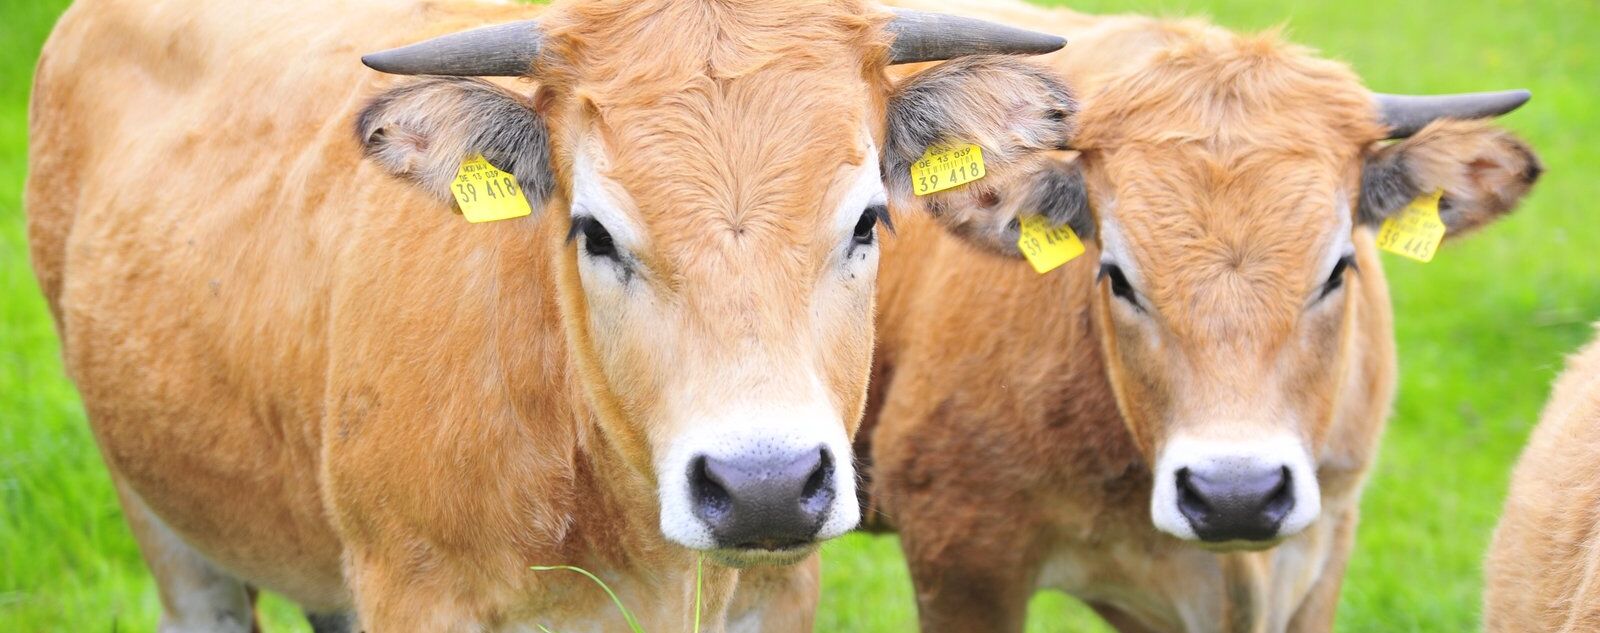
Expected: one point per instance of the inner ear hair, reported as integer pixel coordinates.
(1386, 186)
(1060, 194)
(423, 129)
(1008, 106)
(1484, 171)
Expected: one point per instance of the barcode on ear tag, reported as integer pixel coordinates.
(946, 167)
(485, 193)
(1415, 231)
(1047, 247)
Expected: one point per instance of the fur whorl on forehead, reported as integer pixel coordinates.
(631, 51)
(1207, 84)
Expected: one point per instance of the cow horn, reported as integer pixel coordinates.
(921, 36)
(502, 50)
(1406, 114)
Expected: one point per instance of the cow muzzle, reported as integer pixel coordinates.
(1234, 495)
(765, 495)
(768, 502)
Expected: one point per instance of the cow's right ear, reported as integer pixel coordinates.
(1021, 115)
(422, 130)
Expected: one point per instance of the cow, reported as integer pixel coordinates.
(307, 374)
(1543, 568)
(1174, 427)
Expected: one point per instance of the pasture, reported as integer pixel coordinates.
(1482, 331)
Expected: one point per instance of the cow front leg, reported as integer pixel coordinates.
(196, 595)
(394, 597)
(1316, 613)
(967, 580)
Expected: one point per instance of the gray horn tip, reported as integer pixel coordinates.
(1408, 114)
(922, 36)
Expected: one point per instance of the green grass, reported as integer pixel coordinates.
(1482, 331)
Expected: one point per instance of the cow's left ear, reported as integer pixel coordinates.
(1483, 171)
(423, 129)
(1019, 113)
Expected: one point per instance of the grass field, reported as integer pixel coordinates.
(1482, 331)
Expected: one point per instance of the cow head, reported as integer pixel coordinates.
(722, 168)
(1233, 185)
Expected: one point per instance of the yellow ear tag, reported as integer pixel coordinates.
(486, 194)
(943, 168)
(1415, 231)
(1045, 247)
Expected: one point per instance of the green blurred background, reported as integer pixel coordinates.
(1482, 331)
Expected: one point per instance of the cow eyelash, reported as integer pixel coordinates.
(1120, 287)
(1336, 278)
(865, 232)
(597, 241)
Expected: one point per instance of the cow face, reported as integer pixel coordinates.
(724, 192)
(1234, 187)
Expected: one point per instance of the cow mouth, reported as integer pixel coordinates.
(762, 554)
(1239, 546)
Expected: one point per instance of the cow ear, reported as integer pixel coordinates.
(422, 130)
(1019, 114)
(1482, 170)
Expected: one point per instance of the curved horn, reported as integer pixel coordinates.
(920, 36)
(502, 50)
(1406, 115)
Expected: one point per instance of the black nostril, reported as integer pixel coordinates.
(1190, 501)
(711, 499)
(819, 486)
(1281, 501)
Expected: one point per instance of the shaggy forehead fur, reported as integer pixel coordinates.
(727, 121)
(1227, 154)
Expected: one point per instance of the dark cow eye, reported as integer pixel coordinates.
(866, 227)
(1120, 287)
(596, 239)
(1336, 278)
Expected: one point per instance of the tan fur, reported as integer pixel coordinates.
(326, 384)
(1013, 417)
(1543, 569)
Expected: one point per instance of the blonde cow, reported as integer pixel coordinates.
(1543, 572)
(307, 374)
(1175, 426)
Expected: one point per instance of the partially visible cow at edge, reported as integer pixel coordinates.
(307, 375)
(1543, 570)
(1176, 426)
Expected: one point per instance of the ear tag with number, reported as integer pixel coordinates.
(485, 193)
(1415, 231)
(945, 167)
(1045, 247)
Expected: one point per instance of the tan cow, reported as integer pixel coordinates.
(1176, 426)
(306, 374)
(1543, 570)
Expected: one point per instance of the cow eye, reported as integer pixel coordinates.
(1336, 278)
(866, 227)
(1120, 287)
(597, 240)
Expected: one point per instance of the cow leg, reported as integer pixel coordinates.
(196, 596)
(1119, 619)
(331, 622)
(777, 599)
(1315, 614)
(970, 579)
